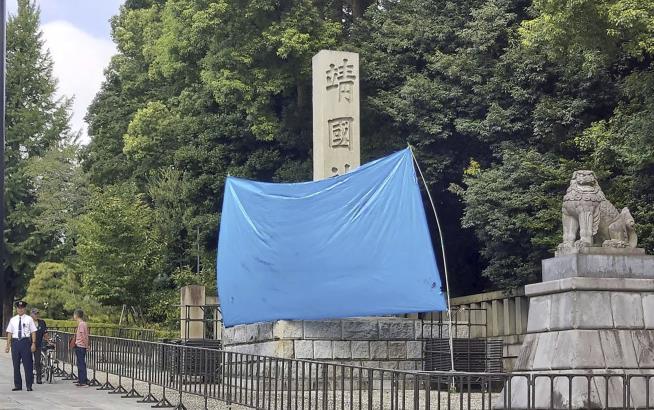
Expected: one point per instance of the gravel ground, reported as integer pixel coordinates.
(453, 401)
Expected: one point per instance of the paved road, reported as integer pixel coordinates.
(58, 395)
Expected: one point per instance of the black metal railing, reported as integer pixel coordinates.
(200, 322)
(274, 383)
(118, 332)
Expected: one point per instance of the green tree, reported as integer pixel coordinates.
(571, 93)
(35, 121)
(525, 91)
(118, 251)
(191, 96)
(50, 290)
(62, 191)
(514, 208)
(429, 71)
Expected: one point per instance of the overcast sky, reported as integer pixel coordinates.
(77, 33)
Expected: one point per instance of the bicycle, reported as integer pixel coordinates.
(49, 364)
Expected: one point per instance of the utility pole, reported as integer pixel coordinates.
(3, 53)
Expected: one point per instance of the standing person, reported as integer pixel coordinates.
(20, 331)
(41, 333)
(81, 345)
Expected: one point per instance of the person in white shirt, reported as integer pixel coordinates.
(20, 332)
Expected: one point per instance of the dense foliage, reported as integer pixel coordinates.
(36, 128)
(502, 100)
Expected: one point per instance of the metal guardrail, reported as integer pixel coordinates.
(118, 332)
(273, 383)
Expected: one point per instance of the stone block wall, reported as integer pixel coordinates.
(388, 343)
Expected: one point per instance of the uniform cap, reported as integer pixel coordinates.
(21, 304)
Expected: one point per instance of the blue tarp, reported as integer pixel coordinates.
(351, 245)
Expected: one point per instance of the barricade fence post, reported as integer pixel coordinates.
(261, 382)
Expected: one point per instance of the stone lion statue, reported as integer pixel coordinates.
(587, 211)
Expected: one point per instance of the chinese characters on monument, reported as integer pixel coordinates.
(339, 132)
(342, 79)
(336, 145)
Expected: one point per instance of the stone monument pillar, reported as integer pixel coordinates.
(371, 341)
(192, 324)
(336, 120)
(593, 313)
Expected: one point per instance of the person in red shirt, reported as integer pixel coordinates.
(81, 346)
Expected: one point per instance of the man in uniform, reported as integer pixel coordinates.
(21, 338)
(41, 334)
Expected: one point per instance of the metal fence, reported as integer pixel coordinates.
(473, 350)
(205, 320)
(123, 367)
(118, 332)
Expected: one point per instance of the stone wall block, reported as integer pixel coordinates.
(627, 309)
(288, 329)
(303, 349)
(229, 333)
(342, 349)
(360, 349)
(379, 350)
(578, 349)
(397, 350)
(592, 310)
(251, 332)
(361, 329)
(644, 347)
(284, 349)
(545, 350)
(648, 310)
(409, 365)
(244, 349)
(323, 329)
(322, 349)
(391, 365)
(369, 363)
(525, 360)
(414, 349)
(265, 331)
(539, 314)
(396, 330)
(618, 348)
(562, 310)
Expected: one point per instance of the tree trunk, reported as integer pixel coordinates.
(7, 309)
(301, 98)
(359, 7)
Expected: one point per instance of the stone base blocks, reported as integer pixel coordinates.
(590, 341)
(384, 342)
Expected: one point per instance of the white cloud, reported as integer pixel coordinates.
(79, 63)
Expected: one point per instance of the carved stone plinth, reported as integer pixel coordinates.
(592, 315)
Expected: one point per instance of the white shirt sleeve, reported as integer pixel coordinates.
(32, 325)
(10, 326)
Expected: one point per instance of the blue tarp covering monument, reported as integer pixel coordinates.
(352, 245)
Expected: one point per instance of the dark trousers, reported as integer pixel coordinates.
(80, 353)
(37, 363)
(21, 352)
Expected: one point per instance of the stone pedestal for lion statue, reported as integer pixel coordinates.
(593, 313)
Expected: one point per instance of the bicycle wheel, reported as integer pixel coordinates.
(48, 370)
(44, 366)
